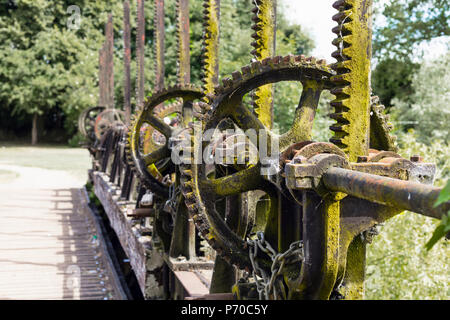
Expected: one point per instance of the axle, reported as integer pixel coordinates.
(406, 195)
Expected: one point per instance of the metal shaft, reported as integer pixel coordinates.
(127, 61)
(101, 76)
(159, 44)
(110, 62)
(405, 195)
(184, 63)
(140, 45)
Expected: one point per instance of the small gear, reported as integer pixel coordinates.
(86, 122)
(106, 120)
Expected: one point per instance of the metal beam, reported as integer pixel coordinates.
(127, 61)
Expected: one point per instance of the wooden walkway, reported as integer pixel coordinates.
(49, 248)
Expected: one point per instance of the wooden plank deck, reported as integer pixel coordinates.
(49, 248)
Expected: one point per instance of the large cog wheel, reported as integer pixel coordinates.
(149, 158)
(201, 192)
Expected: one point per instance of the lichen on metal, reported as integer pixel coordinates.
(353, 54)
(159, 44)
(182, 34)
(264, 25)
(140, 56)
(210, 48)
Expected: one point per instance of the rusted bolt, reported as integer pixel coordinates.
(415, 158)
(299, 160)
(362, 159)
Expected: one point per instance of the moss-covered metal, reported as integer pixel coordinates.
(182, 33)
(264, 25)
(352, 91)
(210, 54)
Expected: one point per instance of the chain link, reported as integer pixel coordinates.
(266, 284)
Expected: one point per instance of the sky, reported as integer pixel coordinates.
(315, 17)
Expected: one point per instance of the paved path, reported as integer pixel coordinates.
(48, 246)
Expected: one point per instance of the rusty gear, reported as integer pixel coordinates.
(199, 192)
(86, 122)
(108, 119)
(145, 165)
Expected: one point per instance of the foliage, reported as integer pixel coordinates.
(399, 266)
(45, 66)
(426, 109)
(444, 227)
(392, 78)
(408, 24)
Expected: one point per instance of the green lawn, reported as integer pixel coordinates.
(75, 161)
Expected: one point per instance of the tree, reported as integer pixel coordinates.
(408, 24)
(45, 66)
(392, 78)
(426, 109)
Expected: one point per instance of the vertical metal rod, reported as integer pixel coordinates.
(321, 244)
(101, 76)
(140, 46)
(159, 44)
(210, 54)
(127, 61)
(264, 44)
(110, 62)
(184, 63)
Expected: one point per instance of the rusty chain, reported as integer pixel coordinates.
(267, 285)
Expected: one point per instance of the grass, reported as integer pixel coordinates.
(398, 265)
(75, 161)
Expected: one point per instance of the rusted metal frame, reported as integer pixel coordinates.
(159, 45)
(116, 160)
(289, 222)
(127, 182)
(101, 76)
(141, 191)
(183, 236)
(121, 169)
(140, 58)
(224, 274)
(405, 195)
(127, 61)
(352, 104)
(141, 213)
(184, 63)
(109, 32)
(112, 156)
(320, 235)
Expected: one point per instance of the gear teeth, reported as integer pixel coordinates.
(380, 133)
(210, 47)
(263, 48)
(351, 105)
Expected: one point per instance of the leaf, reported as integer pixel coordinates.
(440, 231)
(444, 196)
